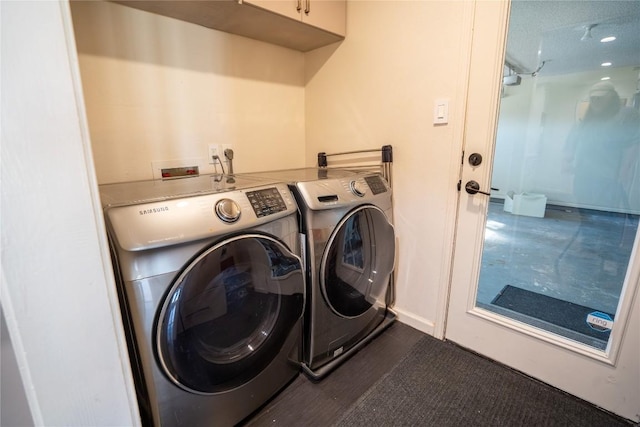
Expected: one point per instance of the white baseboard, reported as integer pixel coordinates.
(417, 322)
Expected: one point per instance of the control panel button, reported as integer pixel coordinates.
(358, 188)
(228, 210)
(266, 202)
(376, 184)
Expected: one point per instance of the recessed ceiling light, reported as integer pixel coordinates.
(607, 39)
(606, 78)
(606, 64)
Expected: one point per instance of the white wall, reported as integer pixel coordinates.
(158, 89)
(378, 87)
(57, 292)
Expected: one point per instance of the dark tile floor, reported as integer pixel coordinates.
(325, 403)
(307, 403)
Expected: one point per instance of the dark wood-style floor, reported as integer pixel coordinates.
(308, 403)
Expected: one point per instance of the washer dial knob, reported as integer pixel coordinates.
(358, 188)
(227, 210)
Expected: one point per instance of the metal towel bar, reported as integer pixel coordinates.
(385, 161)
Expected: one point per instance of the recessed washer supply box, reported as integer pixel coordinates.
(527, 204)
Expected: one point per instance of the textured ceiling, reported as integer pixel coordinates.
(550, 31)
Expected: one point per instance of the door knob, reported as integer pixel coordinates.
(472, 187)
(475, 159)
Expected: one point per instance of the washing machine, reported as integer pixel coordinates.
(212, 291)
(350, 258)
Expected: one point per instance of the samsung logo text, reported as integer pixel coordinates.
(154, 210)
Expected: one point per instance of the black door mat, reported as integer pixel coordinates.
(440, 384)
(575, 317)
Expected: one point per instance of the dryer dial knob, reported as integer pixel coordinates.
(358, 188)
(227, 210)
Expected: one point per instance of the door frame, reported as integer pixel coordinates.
(477, 329)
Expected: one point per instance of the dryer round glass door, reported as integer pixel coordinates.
(229, 312)
(358, 262)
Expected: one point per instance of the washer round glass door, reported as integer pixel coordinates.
(358, 262)
(229, 312)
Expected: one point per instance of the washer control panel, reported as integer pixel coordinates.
(173, 221)
(333, 193)
(267, 201)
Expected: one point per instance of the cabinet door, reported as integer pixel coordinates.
(287, 8)
(329, 15)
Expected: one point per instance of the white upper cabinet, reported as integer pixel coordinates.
(329, 15)
(317, 23)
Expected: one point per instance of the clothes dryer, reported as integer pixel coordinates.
(212, 292)
(350, 258)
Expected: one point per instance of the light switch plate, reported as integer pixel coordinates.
(441, 111)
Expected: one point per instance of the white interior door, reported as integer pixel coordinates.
(604, 370)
